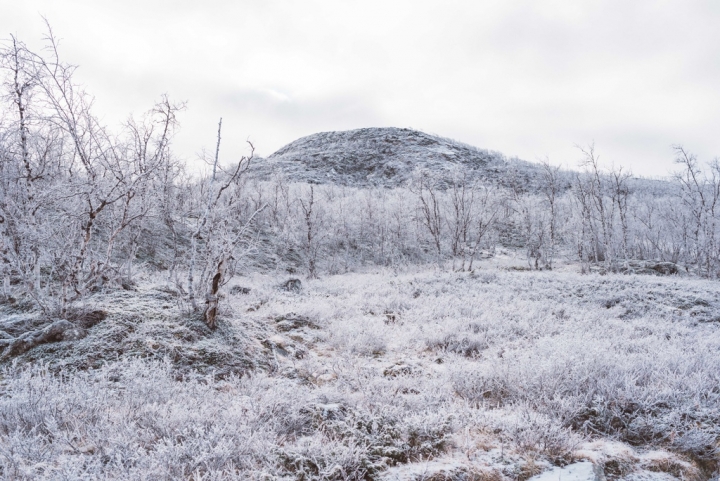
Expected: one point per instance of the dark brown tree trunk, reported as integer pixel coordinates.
(211, 300)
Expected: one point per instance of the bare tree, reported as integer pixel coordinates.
(71, 189)
(221, 229)
(312, 217)
(602, 210)
(620, 194)
(488, 205)
(459, 220)
(430, 212)
(700, 194)
(551, 190)
(583, 229)
(473, 210)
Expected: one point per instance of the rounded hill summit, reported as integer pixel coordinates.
(385, 156)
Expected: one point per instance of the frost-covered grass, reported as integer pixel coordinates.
(486, 375)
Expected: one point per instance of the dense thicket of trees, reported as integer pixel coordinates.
(82, 207)
(74, 195)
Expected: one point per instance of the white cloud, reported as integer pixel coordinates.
(529, 78)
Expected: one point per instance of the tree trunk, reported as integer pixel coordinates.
(211, 300)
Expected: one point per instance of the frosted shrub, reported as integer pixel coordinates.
(535, 433)
(483, 390)
(466, 344)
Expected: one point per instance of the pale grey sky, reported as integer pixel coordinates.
(529, 78)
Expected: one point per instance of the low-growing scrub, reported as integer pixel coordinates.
(147, 324)
(481, 380)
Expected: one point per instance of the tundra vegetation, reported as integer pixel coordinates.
(466, 323)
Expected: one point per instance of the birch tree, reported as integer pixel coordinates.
(71, 189)
(221, 228)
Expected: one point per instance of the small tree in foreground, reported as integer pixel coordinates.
(221, 228)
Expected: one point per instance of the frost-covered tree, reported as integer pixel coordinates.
(220, 228)
(74, 194)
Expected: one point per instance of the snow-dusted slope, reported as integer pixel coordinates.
(386, 157)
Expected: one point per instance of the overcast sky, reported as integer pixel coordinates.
(527, 78)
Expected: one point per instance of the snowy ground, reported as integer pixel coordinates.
(419, 374)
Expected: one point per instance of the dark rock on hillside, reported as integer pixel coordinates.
(291, 285)
(292, 321)
(235, 290)
(58, 331)
(19, 334)
(653, 268)
(389, 157)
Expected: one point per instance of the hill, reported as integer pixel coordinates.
(387, 157)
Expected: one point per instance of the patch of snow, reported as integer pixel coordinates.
(600, 450)
(414, 471)
(649, 476)
(582, 471)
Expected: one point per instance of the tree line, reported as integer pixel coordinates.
(603, 219)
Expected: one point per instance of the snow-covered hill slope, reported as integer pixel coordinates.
(387, 157)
